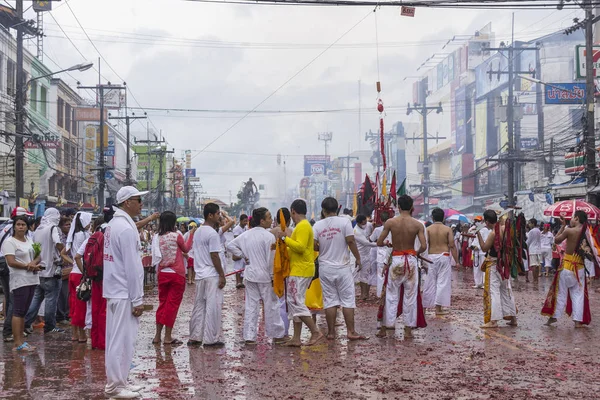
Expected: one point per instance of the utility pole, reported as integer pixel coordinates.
(128, 119)
(514, 149)
(149, 153)
(590, 140)
(539, 101)
(101, 162)
(424, 110)
(20, 108)
(326, 138)
(346, 160)
(161, 180)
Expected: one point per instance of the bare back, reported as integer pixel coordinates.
(572, 236)
(441, 239)
(404, 229)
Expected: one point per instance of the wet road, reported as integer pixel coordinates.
(451, 359)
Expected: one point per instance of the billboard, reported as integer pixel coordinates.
(148, 167)
(496, 63)
(45, 140)
(190, 172)
(580, 54)
(89, 114)
(114, 98)
(565, 93)
(315, 165)
(460, 105)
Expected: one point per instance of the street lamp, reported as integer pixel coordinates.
(20, 122)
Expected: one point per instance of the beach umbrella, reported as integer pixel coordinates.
(458, 218)
(567, 208)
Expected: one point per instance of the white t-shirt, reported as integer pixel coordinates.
(206, 241)
(49, 253)
(239, 264)
(7, 230)
(533, 241)
(546, 240)
(78, 239)
(23, 252)
(256, 246)
(331, 234)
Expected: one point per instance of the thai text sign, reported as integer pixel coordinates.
(565, 93)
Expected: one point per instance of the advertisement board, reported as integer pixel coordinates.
(89, 114)
(565, 93)
(496, 63)
(315, 165)
(148, 167)
(45, 140)
(190, 172)
(460, 105)
(580, 53)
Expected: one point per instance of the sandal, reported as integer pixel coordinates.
(24, 347)
(173, 342)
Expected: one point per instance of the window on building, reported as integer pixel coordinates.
(43, 102)
(68, 115)
(73, 159)
(11, 77)
(59, 155)
(74, 128)
(33, 97)
(60, 113)
(67, 154)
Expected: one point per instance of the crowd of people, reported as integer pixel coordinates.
(293, 266)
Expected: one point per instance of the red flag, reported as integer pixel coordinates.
(367, 190)
(377, 191)
(393, 194)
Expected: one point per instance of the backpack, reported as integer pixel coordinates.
(93, 256)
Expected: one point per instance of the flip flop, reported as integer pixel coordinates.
(174, 342)
(194, 343)
(359, 337)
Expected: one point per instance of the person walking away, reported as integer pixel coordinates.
(123, 289)
(62, 308)
(367, 273)
(226, 236)
(24, 268)
(569, 288)
(207, 313)
(77, 235)
(437, 290)
(50, 277)
(302, 269)
(257, 247)
(535, 249)
(383, 253)
(239, 264)
(546, 243)
(402, 276)
(333, 237)
(479, 255)
(168, 245)
(278, 232)
(91, 253)
(498, 299)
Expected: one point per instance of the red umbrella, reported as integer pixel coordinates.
(448, 212)
(567, 208)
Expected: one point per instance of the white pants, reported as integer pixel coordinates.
(284, 314)
(296, 297)
(273, 323)
(501, 296)
(338, 286)
(567, 283)
(547, 257)
(392, 297)
(121, 335)
(380, 278)
(478, 274)
(589, 267)
(205, 322)
(437, 288)
(88, 315)
(368, 271)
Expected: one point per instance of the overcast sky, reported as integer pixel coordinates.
(190, 55)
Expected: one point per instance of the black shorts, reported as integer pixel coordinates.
(22, 298)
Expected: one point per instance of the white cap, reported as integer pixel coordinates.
(127, 192)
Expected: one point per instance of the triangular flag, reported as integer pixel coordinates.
(402, 189)
(367, 191)
(384, 191)
(393, 194)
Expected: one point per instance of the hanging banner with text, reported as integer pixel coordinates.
(566, 93)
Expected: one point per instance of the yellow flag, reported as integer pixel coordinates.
(355, 205)
(384, 186)
(281, 266)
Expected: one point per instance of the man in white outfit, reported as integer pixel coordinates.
(478, 254)
(205, 322)
(437, 289)
(239, 264)
(256, 248)
(546, 242)
(123, 284)
(535, 249)
(333, 236)
(383, 253)
(366, 275)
